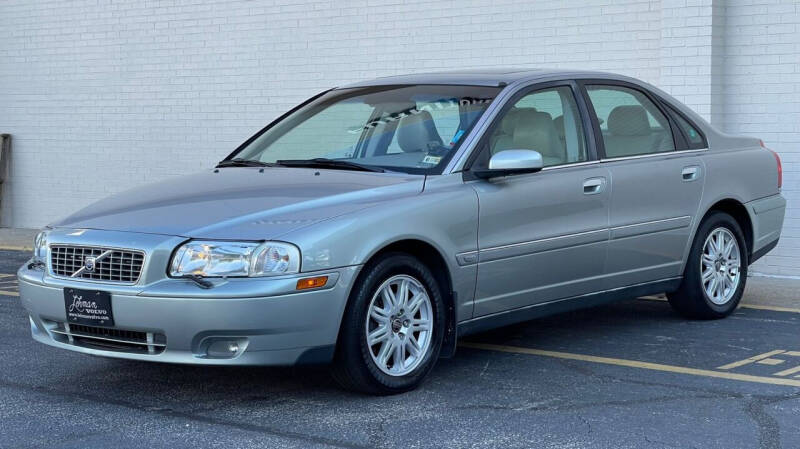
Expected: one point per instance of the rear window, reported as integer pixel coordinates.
(630, 123)
(693, 136)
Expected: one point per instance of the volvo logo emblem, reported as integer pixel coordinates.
(90, 263)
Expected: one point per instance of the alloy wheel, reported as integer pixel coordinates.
(719, 267)
(399, 325)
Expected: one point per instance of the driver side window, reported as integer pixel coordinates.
(546, 121)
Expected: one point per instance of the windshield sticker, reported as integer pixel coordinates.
(431, 160)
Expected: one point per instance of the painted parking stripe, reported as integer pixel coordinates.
(749, 360)
(8, 285)
(16, 248)
(634, 364)
(788, 372)
(772, 308)
(741, 306)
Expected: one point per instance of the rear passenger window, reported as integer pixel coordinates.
(631, 124)
(546, 121)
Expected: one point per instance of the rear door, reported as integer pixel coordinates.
(656, 183)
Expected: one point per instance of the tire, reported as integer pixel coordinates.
(706, 269)
(357, 365)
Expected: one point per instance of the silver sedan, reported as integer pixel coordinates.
(376, 223)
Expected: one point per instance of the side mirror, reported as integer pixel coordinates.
(511, 162)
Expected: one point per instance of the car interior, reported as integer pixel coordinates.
(629, 133)
(631, 124)
(527, 128)
(629, 129)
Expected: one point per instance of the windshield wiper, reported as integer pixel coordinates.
(238, 162)
(322, 162)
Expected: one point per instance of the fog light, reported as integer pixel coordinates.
(223, 348)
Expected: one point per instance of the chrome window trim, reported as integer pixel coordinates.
(100, 281)
(573, 164)
(549, 168)
(613, 159)
(642, 156)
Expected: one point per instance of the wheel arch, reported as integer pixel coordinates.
(433, 257)
(738, 211)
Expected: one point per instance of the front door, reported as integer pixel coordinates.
(542, 236)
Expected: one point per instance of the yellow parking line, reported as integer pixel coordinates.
(3, 292)
(772, 308)
(741, 306)
(770, 362)
(752, 359)
(16, 248)
(635, 364)
(787, 372)
(5, 275)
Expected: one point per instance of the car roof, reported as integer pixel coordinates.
(481, 77)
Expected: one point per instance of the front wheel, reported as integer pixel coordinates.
(716, 272)
(392, 329)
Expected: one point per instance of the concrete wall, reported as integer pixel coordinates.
(102, 95)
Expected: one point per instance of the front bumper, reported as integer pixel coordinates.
(270, 322)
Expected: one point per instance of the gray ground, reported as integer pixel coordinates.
(481, 398)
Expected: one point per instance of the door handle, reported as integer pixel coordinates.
(690, 173)
(593, 186)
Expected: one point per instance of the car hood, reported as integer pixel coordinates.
(242, 203)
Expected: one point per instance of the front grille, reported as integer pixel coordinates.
(108, 339)
(117, 265)
(132, 336)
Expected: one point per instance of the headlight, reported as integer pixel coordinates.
(218, 259)
(40, 246)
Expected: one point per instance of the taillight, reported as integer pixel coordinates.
(778, 160)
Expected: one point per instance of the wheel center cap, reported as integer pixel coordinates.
(397, 324)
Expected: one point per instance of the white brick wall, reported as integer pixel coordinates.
(761, 97)
(103, 95)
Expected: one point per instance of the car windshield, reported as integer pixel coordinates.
(411, 129)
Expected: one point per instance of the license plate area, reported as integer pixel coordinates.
(89, 307)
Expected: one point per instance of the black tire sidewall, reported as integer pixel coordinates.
(693, 269)
(355, 339)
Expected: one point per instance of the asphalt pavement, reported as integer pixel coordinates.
(628, 375)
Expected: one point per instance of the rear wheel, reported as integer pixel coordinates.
(716, 272)
(392, 329)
